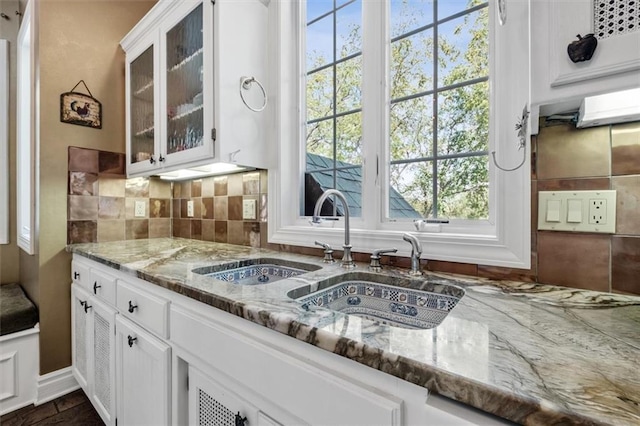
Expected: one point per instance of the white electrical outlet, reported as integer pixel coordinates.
(139, 209)
(577, 211)
(597, 211)
(190, 208)
(249, 209)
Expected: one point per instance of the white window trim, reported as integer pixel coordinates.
(4, 142)
(504, 240)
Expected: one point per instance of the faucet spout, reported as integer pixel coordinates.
(416, 252)
(347, 260)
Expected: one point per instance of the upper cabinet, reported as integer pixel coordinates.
(185, 61)
(615, 64)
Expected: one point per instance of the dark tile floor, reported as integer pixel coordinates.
(73, 409)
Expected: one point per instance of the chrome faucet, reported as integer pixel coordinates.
(416, 251)
(375, 258)
(347, 261)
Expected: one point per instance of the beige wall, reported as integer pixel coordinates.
(9, 253)
(78, 40)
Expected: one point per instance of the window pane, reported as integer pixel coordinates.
(408, 15)
(412, 65)
(463, 188)
(349, 29)
(411, 129)
(463, 48)
(320, 94)
(411, 192)
(320, 43)
(316, 8)
(349, 182)
(320, 138)
(463, 119)
(447, 8)
(349, 84)
(349, 138)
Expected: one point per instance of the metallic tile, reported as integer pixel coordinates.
(234, 184)
(159, 228)
(264, 180)
(235, 232)
(208, 230)
(83, 183)
(220, 231)
(627, 204)
(196, 188)
(196, 229)
(111, 163)
(251, 234)
(82, 231)
(582, 184)
(208, 187)
(207, 208)
(220, 185)
(564, 152)
(159, 208)
(136, 229)
(220, 208)
(83, 160)
(159, 188)
(251, 183)
(110, 230)
(625, 264)
(574, 260)
(111, 186)
(235, 208)
(111, 208)
(82, 207)
(625, 149)
(137, 187)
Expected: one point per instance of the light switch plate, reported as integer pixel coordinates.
(190, 208)
(580, 211)
(139, 209)
(249, 209)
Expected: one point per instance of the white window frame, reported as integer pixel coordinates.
(503, 240)
(4, 142)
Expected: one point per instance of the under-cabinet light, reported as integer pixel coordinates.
(610, 108)
(203, 171)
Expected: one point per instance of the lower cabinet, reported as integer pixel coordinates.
(210, 403)
(143, 365)
(93, 342)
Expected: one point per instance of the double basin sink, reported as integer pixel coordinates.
(391, 300)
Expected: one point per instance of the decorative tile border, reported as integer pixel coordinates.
(396, 306)
(256, 274)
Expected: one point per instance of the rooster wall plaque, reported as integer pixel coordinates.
(78, 108)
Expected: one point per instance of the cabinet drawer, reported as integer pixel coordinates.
(150, 311)
(103, 285)
(80, 274)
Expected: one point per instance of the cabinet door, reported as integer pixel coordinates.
(103, 352)
(143, 376)
(187, 134)
(211, 404)
(80, 336)
(142, 123)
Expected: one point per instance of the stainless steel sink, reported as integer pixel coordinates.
(256, 271)
(391, 300)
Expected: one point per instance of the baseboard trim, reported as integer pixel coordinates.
(55, 384)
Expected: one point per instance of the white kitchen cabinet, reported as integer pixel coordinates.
(210, 403)
(93, 354)
(184, 63)
(143, 365)
(559, 83)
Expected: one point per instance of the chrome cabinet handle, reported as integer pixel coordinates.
(132, 307)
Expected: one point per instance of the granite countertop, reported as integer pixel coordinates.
(534, 354)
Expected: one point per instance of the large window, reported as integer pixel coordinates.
(398, 104)
(436, 106)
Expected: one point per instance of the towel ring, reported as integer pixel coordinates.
(245, 83)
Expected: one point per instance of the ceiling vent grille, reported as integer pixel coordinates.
(615, 17)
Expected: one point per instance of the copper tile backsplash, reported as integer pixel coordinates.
(564, 158)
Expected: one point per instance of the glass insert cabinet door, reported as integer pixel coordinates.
(142, 120)
(184, 85)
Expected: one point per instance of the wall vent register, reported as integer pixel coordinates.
(615, 17)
